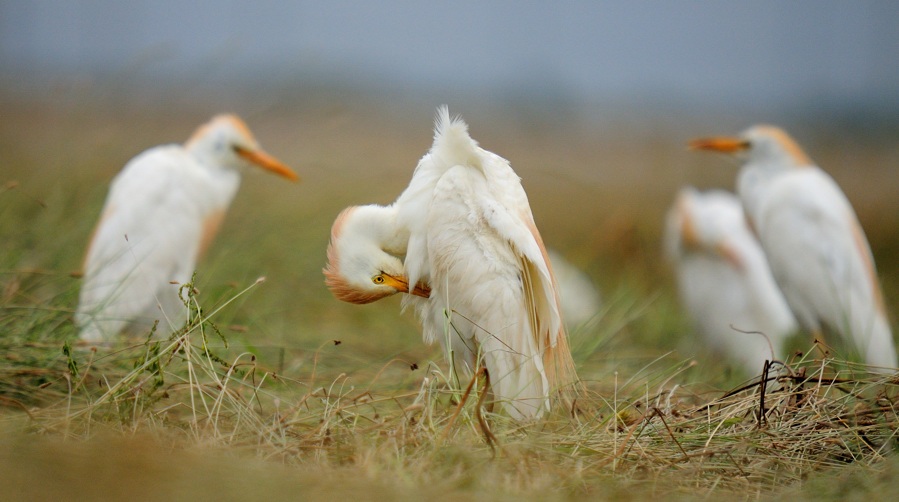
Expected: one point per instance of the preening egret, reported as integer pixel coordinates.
(162, 212)
(817, 250)
(465, 227)
(724, 280)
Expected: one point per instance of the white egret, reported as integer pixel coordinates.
(162, 211)
(724, 280)
(465, 227)
(817, 250)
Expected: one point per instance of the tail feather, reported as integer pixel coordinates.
(517, 380)
(560, 371)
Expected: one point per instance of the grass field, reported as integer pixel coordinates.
(311, 397)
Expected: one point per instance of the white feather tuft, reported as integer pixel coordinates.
(452, 144)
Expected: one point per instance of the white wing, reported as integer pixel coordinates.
(149, 234)
(821, 259)
(478, 277)
(452, 147)
(509, 213)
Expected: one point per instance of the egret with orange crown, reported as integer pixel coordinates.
(464, 227)
(817, 250)
(161, 213)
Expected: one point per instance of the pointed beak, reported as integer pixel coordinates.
(719, 144)
(422, 290)
(401, 284)
(267, 162)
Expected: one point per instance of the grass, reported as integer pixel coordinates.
(654, 431)
(275, 389)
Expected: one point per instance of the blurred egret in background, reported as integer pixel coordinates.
(162, 212)
(724, 280)
(817, 250)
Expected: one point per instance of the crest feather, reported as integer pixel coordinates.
(452, 144)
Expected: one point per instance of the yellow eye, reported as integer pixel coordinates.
(378, 279)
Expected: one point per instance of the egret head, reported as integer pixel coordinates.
(762, 144)
(359, 268)
(226, 141)
(704, 223)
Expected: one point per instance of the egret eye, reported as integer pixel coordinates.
(378, 279)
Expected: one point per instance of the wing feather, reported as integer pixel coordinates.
(821, 259)
(514, 222)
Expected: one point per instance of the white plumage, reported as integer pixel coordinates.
(471, 236)
(162, 211)
(724, 280)
(817, 250)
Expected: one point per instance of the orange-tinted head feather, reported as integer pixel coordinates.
(344, 291)
(800, 158)
(334, 280)
(234, 120)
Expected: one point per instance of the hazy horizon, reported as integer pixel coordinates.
(767, 55)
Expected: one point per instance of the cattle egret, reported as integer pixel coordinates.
(724, 280)
(162, 212)
(814, 243)
(465, 227)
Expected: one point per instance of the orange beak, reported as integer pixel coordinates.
(401, 284)
(421, 290)
(719, 144)
(267, 162)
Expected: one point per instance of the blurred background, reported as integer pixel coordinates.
(592, 102)
(763, 56)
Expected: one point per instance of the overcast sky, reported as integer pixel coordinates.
(754, 52)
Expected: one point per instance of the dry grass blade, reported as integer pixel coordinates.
(458, 409)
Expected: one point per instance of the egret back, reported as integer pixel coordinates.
(822, 261)
(477, 277)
